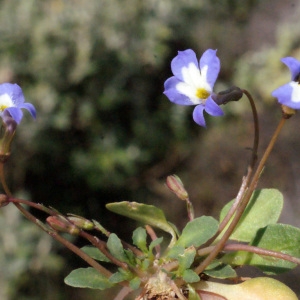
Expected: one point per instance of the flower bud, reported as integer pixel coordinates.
(234, 93)
(3, 200)
(81, 222)
(174, 183)
(61, 224)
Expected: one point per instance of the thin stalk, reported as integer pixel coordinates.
(52, 233)
(247, 177)
(65, 242)
(252, 249)
(221, 243)
(34, 205)
(102, 247)
(261, 251)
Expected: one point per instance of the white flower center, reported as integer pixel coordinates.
(296, 91)
(5, 102)
(194, 85)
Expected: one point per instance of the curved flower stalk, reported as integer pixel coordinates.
(289, 94)
(193, 82)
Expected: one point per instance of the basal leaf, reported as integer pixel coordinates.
(95, 253)
(220, 270)
(147, 214)
(190, 276)
(120, 276)
(193, 295)
(198, 231)
(115, 247)
(88, 278)
(135, 283)
(277, 237)
(186, 259)
(264, 208)
(139, 238)
(175, 251)
(155, 243)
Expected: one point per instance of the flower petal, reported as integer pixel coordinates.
(293, 64)
(198, 115)
(30, 108)
(212, 108)
(174, 95)
(288, 94)
(14, 91)
(16, 113)
(210, 66)
(183, 60)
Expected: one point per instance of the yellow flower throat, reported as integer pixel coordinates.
(2, 107)
(202, 93)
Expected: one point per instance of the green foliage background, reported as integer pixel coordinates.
(95, 72)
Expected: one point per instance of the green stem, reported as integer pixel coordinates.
(243, 203)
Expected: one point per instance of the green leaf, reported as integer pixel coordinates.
(147, 214)
(139, 238)
(186, 259)
(155, 243)
(190, 276)
(95, 253)
(264, 208)
(88, 278)
(193, 295)
(135, 283)
(145, 264)
(131, 258)
(115, 247)
(277, 237)
(120, 276)
(219, 270)
(198, 231)
(175, 251)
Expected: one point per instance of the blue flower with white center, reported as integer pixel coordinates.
(193, 82)
(289, 94)
(11, 103)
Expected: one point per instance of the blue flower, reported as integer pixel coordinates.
(289, 94)
(193, 82)
(11, 103)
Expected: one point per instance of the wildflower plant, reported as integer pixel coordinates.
(199, 261)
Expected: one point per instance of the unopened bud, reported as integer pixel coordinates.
(174, 183)
(3, 200)
(81, 222)
(287, 112)
(232, 94)
(63, 225)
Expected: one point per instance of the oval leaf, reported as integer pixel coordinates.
(220, 271)
(264, 208)
(139, 238)
(88, 278)
(115, 247)
(277, 237)
(198, 231)
(147, 214)
(95, 253)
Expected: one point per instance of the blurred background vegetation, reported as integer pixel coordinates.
(95, 71)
